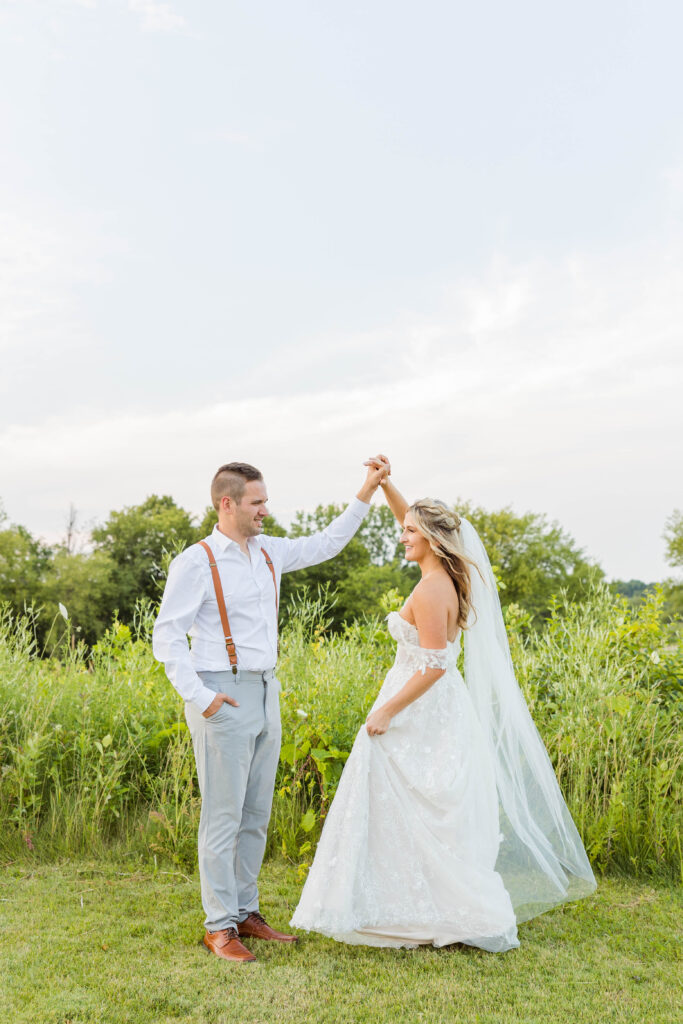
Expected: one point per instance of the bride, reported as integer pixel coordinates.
(448, 824)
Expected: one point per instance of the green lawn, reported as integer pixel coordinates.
(85, 943)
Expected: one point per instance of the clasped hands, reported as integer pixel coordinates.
(378, 472)
(379, 469)
(378, 721)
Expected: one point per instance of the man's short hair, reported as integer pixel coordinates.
(230, 480)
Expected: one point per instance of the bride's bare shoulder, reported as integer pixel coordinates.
(436, 597)
(434, 589)
(434, 606)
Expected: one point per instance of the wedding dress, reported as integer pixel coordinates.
(409, 847)
(450, 826)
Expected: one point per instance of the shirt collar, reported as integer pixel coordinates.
(222, 542)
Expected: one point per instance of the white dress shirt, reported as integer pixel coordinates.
(189, 603)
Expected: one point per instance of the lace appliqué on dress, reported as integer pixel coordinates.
(410, 654)
(422, 658)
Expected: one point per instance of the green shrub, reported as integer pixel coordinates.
(95, 756)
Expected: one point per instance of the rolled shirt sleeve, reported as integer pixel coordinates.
(301, 552)
(183, 595)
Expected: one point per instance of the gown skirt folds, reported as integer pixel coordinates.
(408, 851)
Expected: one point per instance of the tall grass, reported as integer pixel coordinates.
(605, 688)
(95, 756)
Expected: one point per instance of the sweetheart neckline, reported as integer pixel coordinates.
(413, 626)
(405, 620)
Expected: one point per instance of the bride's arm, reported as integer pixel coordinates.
(395, 500)
(431, 618)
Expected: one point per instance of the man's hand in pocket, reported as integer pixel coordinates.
(220, 698)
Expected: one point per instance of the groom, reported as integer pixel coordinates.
(223, 592)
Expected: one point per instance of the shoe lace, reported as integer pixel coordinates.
(259, 917)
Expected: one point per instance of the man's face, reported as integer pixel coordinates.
(251, 511)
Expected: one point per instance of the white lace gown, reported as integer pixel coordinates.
(408, 851)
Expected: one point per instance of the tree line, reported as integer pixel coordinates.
(125, 559)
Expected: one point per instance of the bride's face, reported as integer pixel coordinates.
(416, 544)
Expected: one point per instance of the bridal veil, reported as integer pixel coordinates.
(541, 858)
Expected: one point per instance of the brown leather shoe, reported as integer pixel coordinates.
(256, 927)
(226, 944)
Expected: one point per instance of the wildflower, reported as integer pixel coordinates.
(301, 714)
(63, 612)
(654, 657)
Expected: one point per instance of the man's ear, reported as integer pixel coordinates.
(227, 504)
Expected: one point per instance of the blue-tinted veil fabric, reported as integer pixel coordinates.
(541, 859)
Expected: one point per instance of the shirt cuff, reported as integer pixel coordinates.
(359, 508)
(203, 698)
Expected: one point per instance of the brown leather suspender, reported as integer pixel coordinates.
(272, 573)
(220, 600)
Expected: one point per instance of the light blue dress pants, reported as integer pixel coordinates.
(236, 751)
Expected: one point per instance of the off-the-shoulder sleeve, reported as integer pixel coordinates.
(422, 658)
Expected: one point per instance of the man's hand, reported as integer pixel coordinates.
(220, 698)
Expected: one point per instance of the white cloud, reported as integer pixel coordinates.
(153, 16)
(554, 388)
(41, 261)
(157, 17)
(597, 317)
(233, 138)
(47, 260)
(552, 445)
(673, 181)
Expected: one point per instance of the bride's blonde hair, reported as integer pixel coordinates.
(440, 525)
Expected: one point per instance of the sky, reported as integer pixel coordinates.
(300, 234)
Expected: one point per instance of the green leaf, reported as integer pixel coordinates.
(288, 753)
(308, 820)
(620, 703)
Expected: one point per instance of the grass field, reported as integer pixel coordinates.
(86, 942)
(100, 924)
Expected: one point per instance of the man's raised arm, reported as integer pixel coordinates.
(300, 552)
